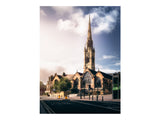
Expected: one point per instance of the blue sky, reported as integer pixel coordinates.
(63, 34)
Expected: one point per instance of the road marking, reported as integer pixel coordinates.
(49, 110)
(96, 105)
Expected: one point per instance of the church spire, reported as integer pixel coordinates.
(89, 51)
(89, 37)
(89, 30)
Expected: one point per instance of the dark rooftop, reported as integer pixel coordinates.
(106, 75)
(80, 73)
(93, 72)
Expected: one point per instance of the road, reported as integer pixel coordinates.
(78, 107)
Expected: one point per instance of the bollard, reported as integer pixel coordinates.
(92, 97)
(102, 98)
(97, 97)
(80, 96)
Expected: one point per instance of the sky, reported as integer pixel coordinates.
(63, 34)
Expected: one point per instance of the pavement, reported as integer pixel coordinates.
(86, 98)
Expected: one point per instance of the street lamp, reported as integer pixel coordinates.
(84, 89)
(97, 93)
(84, 93)
(92, 93)
(102, 94)
(80, 93)
(89, 91)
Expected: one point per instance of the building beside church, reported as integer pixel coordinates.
(90, 80)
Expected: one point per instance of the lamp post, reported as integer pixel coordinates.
(84, 93)
(84, 90)
(89, 91)
(102, 94)
(92, 93)
(80, 94)
(97, 93)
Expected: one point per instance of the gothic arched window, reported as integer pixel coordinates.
(87, 79)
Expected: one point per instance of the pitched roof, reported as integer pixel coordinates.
(60, 76)
(69, 76)
(116, 74)
(54, 77)
(51, 77)
(106, 75)
(80, 73)
(92, 71)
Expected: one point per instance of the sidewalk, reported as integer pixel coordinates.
(105, 98)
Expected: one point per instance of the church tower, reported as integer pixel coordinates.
(89, 51)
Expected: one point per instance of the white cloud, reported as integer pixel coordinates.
(42, 13)
(60, 49)
(107, 70)
(107, 57)
(117, 64)
(78, 23)
(107, 22)
(65, 25)
(61, 10)
(98, 66)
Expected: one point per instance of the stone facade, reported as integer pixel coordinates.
(89, 80)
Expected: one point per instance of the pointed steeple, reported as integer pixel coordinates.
(89, 51)
(89, 30)
(89, 37)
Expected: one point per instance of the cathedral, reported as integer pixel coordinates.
(90, 80)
